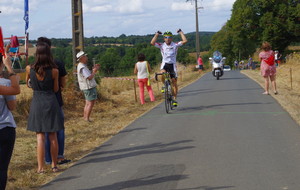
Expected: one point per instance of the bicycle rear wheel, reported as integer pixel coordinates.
(171, 97)
(167, 97)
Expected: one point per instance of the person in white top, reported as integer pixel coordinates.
(87, 83)
(277, 58)
(142, 69)
(169, 52)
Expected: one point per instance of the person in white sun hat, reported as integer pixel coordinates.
(87, 83)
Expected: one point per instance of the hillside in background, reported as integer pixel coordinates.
(117, 55)
(132, 40)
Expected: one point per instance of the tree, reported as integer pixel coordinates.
(109, 61)
(255, 21)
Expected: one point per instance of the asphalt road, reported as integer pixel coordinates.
(224, 135)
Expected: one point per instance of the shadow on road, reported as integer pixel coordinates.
(208, 188)
(154, 148)
(135, 183)
(202, 91)
(131, 130)
(235, 78)
(218, 105)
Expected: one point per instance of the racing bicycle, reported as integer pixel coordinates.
(168, 90)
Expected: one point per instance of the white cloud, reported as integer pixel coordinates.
(100, 1)
(95, 9)
(10, 10)
(182, 6)
(130, 6)
(103, 8)
(221, 4)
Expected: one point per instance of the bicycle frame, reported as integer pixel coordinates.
(168, 90)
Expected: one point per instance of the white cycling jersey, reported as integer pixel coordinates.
(168, 52)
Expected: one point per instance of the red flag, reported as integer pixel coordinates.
(2, 43)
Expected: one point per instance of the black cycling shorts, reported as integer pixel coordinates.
(170, 68)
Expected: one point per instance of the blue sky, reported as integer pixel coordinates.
(52, 18)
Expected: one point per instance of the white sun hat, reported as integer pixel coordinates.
(80, 54)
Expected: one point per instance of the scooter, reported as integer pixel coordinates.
(217, 62)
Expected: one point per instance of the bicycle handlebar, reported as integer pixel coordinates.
(163, 73)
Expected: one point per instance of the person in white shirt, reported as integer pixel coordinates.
(87, 83)
(277, 58)
(169, 52)
(142, 69)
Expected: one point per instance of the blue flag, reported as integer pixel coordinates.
(26, 15)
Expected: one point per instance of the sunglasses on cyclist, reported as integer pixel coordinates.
(168, 37)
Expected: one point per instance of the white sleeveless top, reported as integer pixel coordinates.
(142, 70)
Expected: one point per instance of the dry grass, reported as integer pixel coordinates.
(115, 109)
(289, 96)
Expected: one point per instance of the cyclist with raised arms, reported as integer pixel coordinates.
(169, 52)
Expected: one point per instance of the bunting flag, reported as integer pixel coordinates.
(26, 15)
(2, 51)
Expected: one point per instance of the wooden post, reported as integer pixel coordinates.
(134, 90)
(291, 76)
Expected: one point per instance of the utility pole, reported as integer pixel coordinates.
(77, 32)
(197, 28)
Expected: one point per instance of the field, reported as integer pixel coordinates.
(115, 109)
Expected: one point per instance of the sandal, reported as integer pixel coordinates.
(41, 172)
(275, 92)
(55, 169)
(64, 161)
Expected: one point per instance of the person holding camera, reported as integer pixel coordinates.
(87, 83)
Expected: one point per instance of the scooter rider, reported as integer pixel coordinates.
(169, 52)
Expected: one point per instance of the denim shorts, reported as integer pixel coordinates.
(90, 94)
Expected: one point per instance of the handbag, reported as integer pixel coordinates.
(270, 60)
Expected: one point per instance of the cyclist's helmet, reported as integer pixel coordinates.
(168, 33)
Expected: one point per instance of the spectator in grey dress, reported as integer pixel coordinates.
(61, 133)
(44, 114)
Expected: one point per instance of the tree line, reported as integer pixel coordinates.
(255, 21)
(117, 55)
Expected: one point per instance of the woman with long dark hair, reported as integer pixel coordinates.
(44, 115)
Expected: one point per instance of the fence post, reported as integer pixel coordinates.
(135, 96)
(291, 77)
